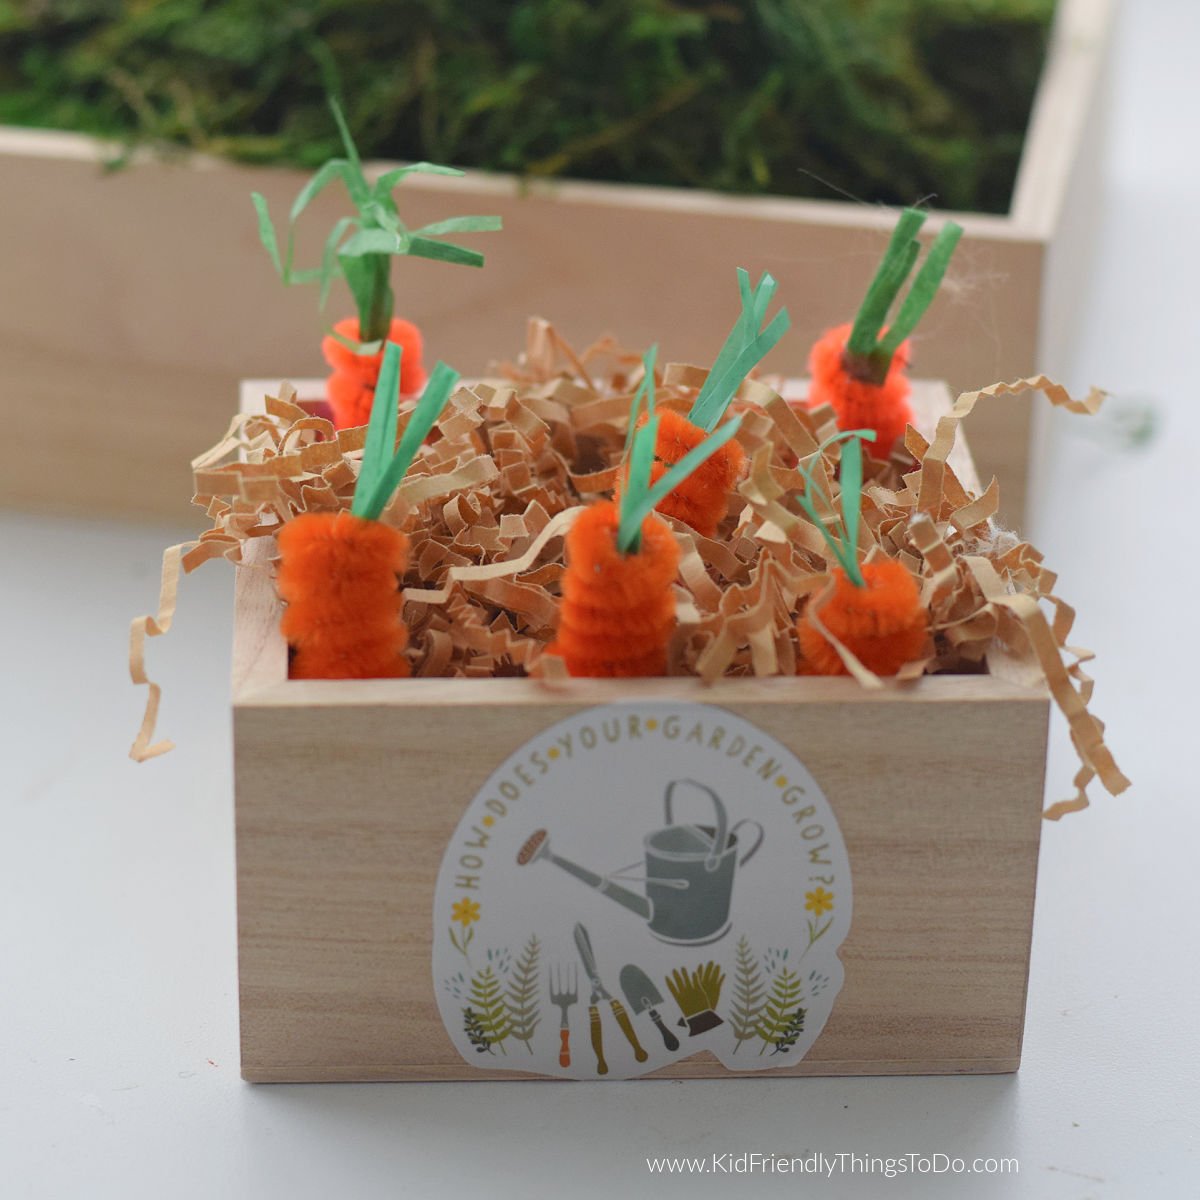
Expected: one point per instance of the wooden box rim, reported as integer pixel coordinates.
(1064, 94)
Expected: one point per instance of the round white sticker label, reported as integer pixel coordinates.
(638, 883)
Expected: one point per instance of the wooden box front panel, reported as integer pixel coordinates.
(347, 795)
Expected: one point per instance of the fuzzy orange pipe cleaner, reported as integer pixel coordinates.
(701, 498)
(351, 388)
(337, 576)
(857, 403)
(875, 609)
(618, 611)
(339, 572)
(859, 369)
(881, 622)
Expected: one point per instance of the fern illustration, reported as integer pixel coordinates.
(791, 1032)
(475, 1031)
(779, 1008)
(749, 995)
(488, 1002)
(521, 994)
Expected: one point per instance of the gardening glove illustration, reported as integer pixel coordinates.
(697, 994)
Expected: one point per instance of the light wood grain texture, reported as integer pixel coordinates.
(348, 793)
(114, 382)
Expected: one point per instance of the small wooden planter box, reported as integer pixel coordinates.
(348, 794)
(120, 375)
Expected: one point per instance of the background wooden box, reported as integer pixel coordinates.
(347, 794)
(113, 379)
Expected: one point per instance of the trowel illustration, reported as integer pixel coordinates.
(641, 993)
(689, 873)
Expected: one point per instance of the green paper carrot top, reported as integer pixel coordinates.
(617, 609)
(875, 608)
(360, 249)
(701, 498)
(859, 369)
(338, 571)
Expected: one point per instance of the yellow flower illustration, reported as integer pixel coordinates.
(464, 912)
(818, 901)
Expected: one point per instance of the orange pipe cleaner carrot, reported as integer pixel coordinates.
(351, 388)
(359, 250)
(882, 622)
(859, 369)
(875, 610)
(337, 575)
(701, 499)
(339, 571)
(617, 609)
(857, 403)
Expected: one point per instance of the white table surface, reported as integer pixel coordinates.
(118, 1022)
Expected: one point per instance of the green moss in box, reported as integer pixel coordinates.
(889, 100)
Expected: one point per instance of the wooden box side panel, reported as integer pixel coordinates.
(344, 812)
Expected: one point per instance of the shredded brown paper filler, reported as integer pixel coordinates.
(487, 503)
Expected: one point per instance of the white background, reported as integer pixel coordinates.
(118, 1025)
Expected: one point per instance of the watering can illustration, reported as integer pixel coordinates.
(689, 873)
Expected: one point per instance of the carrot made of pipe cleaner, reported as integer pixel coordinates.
(701, 499)
(618, 611)
(339, 571)
(360, 249)
(859, 369)
(350, 388)
(875, 608)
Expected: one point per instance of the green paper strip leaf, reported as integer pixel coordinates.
(381, 431)
(372, 241)
(389, 179)
(851, 492)
(924, 288)
(893, 270)
(637, 504)
(637, 483)
(266, 231)
(725, 389)
(742, 351)
(382, 214)
(335, 168)
(738, 336)
(421, 247)
(330, 269)
(437, 391)
(845, 553)
(360, 276)
(644, 393)
(734, 343)
(460, 225)
(357, 347)
(356, 181)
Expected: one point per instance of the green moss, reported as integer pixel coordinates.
(888, 100)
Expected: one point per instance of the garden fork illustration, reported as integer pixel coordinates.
(564, 991)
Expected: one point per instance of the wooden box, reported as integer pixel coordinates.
(349, 794)
(113, 381)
